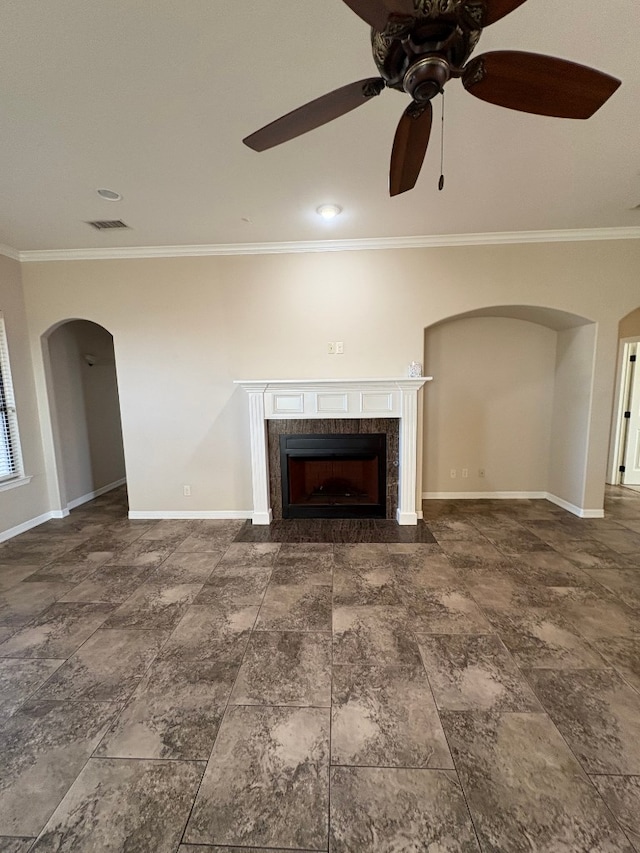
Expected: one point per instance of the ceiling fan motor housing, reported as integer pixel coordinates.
(442, 30)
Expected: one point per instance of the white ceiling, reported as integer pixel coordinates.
(152, 98)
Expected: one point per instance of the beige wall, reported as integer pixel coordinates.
(489, 405)
(184, 328)
(630, 325)
(571, 407)
(87, 411)
(20, 504)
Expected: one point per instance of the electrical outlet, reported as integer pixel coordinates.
(465, 473)
(481, 473)
(339, 347)
(331, 348)
(453, 473)
(186, 491)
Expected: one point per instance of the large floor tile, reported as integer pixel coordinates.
(233, 584)
(303, 606)
(19, 679)
(285, 668)
(468, 672)
(211, 536)
(124, 805)
(43, 747)
(266, 783)
(499, 589)
(202, 848)
(386, 716)
(154, 605)
(12, 575)
(23, 602)
(376, 635)
(143, 552)
(174, 713)
(444, 610)
(209, 632)
(308, 567)
(464, 555)
(525, 788)
(622, 795)
(112, 584)
(542, 637)
(107, 668)
(597, 616)
(15, 845)
(353, 586)
(623, 583)
(57, 632)
(623, 654)
(186, 567)
(363, 556)
(244, 555)
(598, 714)
(591, 554)
(390, 810)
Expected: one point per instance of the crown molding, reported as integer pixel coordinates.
(8, 252)
(427, 242)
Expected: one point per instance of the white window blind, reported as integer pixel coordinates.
(10, 454)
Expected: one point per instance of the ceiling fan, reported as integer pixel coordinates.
(418, 46)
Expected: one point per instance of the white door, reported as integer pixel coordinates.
(631, 474)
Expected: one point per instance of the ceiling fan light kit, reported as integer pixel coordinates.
(418, 46)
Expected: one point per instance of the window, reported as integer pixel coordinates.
(10, 455)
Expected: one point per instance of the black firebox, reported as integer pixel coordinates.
(334, 476)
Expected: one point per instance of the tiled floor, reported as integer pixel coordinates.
(166, 688)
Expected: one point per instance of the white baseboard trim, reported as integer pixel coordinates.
(59, 513)
(221, 514)
(576, 510)
(461, 496)
(26, 525)
(262, 517)
(96, 494)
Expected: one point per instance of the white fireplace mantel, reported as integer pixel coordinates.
(295, 399)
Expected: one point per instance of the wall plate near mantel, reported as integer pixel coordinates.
(290, 399)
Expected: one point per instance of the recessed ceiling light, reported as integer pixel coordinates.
(328, 211)
(109, 195)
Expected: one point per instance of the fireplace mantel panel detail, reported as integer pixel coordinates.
(334, 398)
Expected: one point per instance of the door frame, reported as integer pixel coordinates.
(627, 346)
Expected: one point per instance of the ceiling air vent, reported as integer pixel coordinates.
(104, 224)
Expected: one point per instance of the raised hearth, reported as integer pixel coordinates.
(335, 399)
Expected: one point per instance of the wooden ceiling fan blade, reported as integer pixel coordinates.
(314, 114)
(533, 83)
(377, 13)
(496, 9)
(409, 147)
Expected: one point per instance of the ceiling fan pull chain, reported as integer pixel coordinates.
(441, 181)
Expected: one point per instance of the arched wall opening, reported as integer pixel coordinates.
(624, 450)
(82, 390)
(507, 414)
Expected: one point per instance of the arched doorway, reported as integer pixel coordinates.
(508, 412)
(624, 456)
(83, 396)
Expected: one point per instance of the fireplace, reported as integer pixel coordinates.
(333, 475)
(341, 406)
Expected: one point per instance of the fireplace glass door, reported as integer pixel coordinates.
(333, 476)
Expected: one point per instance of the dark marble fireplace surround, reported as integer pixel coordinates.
(329, 426)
